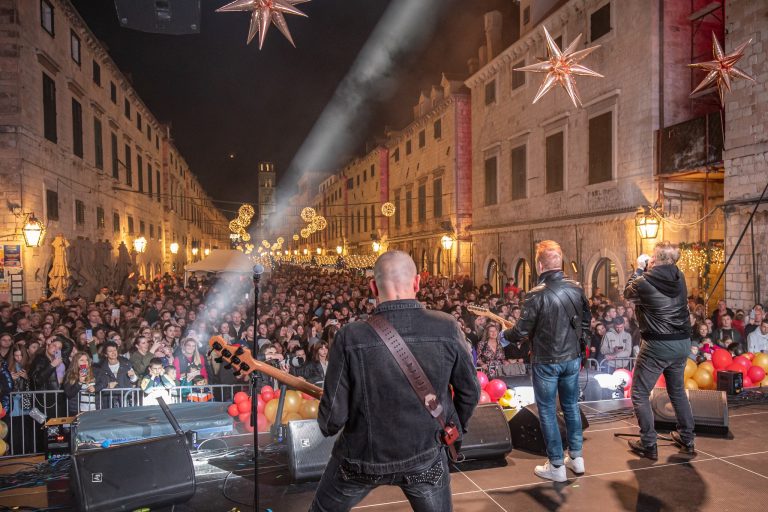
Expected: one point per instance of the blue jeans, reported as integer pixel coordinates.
(550, 380)
(427, 488)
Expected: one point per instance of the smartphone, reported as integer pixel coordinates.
(116, 313)
(372, 301)
(89, 334)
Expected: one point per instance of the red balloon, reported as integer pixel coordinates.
(625, 375)
(248, 426)
(743, 361)
(277, 393)
(748, 383)
(240, 396)
(756, 374)
(243, 407)
(485, 398)
(267, 395)
(305, 396)
(721, 359)
(736, 367)
(232, 410)
(749, 355)
(482, 378)
(496, 389)
(260, 403)
(662, 382)
(244, 417)
(266, 388)
(2, 412)
(263, 423)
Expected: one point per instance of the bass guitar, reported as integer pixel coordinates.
(481, 311)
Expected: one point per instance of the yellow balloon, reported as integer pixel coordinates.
(703, 378)
(309, 409)
(3, 430)
(707, 365)
(270, 410)
(690, 368)
(761, 360)
(691, 384)
(3, 447)
(291, 416)
(292, 402)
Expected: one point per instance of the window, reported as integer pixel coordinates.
(157, 182)
(518, 77)
(140, 172)
(422, 199)
(74, 46)
(422, 138)
(79, 212)
(365, 175)
(490, 92)
(373, 217)
(98, 144)
(52, 204)
(350, 183)
(397, 209)
(437, 197)
(116, 223)
(437, 129)
(113, 92)
(77, 128)
(46, 16)
(49, 108)
(358, 180)
(130, 225)
(149, 132)
(408, 207)
(600, 22)
(490, 181)
(128, 166)
(518, 165)
(526, 15)
(373, 170)
(151, 231)
(115, 159)
(149, 180)
(601, 148)
(138, 121)
(127, 108)
(555, 161)
(396, 154)
(408, 147)
(99, 217)
(358, 222)
(142, 227)
(157, 142)
(96, 73)
(365, 219)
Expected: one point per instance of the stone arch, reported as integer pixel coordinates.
(491, 269)
(593, 263)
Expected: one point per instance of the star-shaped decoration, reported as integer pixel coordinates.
(561, 66)
(721, 70)
(264, 12)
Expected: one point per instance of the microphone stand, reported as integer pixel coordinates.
(258, 269)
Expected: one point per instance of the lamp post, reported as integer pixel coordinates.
(447, 242)
(339, 250)
(647, 224)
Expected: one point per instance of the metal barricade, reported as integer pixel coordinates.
(610, 365)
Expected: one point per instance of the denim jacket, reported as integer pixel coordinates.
(386, 428)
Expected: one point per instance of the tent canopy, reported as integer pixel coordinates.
(223, 260)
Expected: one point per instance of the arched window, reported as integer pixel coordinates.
(523, 275)
(606, 278)
(492, 274)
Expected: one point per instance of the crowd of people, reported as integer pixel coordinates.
(156, 338)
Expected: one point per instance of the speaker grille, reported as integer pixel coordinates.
(487, 434)
(710, 410)
(308, 450)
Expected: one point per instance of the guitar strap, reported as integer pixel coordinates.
(413, 372)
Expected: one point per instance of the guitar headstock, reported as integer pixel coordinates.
(477, 309)
(237, 356)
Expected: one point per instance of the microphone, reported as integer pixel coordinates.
(258, 269)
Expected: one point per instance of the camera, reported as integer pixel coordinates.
(297, 361)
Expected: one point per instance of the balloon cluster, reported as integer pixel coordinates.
(3, 432)
(297, 406)
(494, 391)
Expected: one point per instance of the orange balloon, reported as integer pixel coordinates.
(761, 360)
(707, 365)
(309, 409)
(292, 402)
(291, 416)
(270, 410)
(690, 368)
(703, 378)
(3, 430)
(691, 384)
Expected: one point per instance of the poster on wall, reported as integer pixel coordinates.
(12, 256)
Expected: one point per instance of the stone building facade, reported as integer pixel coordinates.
(82, 152)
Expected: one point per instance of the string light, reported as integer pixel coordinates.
(388, 209)
(307, 214)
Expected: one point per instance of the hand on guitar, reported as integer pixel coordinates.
(481, 311)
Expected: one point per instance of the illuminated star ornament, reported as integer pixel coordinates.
(265, 12)
(561, 66)
(721, 70)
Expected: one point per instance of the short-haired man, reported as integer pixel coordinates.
(616, 346)
(365, 389)
(661, 299)
(555, 316)
(757, 341)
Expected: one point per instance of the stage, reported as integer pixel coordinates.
(728, 474)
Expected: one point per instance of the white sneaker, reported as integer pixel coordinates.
(550, 472)
(576, 465)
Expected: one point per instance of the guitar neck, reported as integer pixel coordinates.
(286, 378)
(492, 316)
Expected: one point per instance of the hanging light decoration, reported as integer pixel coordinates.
(295, 237)
(280, 240)
(235, 226)
(305, 233)
(265, 243)
(307, 214)
(246, 237)
(246, 211)
(319, 223)
(647, 224)
(388, 209)
(311, 227)
(207, 251)
(447, 242)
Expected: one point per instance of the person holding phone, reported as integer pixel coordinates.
(80, 385)
(48, 367)
(114, 372)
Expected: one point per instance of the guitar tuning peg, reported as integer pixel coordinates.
(236, 373)
(227, 366)
(239, 351)
(218, 360)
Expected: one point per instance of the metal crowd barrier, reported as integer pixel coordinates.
(608, 366)
(30, 409)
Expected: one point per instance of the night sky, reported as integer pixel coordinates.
(224, 97)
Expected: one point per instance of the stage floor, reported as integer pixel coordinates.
(727, 474)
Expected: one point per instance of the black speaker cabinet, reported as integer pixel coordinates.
(308, 450)
(710, 410)
(487, 434)
(160, 16)
(730, 382)
(526, 429)
(143, 474)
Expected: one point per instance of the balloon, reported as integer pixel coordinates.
(260, 403)
(755, 374)
(308, 409)
(244, 417)
(743, 361)
(707, 365)
(305, 396)
(760, 360)
(703, 378)
(736, 367)
(291, 416)
(240, 396)
(3, 430)
(232, 410)
(691, 384)
(749, 355)
(277, 393)
(266, 388)
(3, 447)
(496, 389)
(2, 412)
(748, 383)
(507, 398)
(248, 427)
(267, 395)
(292, 402)
(764, 383)
(721, 358)
(485, 398)
(262, 423)
(624, 375)
(690, 368)
(244, 406)
(482, 378)
(662, 382)
(270, 410)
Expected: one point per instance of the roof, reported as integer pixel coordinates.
(223, 260)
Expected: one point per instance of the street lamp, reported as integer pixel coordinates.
(207, 251)
(339, 250)
(174, 248)
(376, 245)
(319, 251)
(33, 231)
(647, 224)
(305, 251)
(195, 250)
(447, 242)
(140, 245)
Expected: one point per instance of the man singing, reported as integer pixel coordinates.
(389, 437)
(662, 312)
(555, 314)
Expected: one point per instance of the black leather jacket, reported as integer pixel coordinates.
(661, 297)
(386, 428)
(547, 324)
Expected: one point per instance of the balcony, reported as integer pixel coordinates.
(691, 146)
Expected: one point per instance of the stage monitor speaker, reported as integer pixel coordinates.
(526, 429)
(174, 17)
(152, 473)
(487, 434)
(710, 410)
(308, 450)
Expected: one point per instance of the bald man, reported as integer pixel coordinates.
(389, 438)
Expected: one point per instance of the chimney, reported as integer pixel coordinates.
(493, 43)
(482, 56)
(473, 65)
